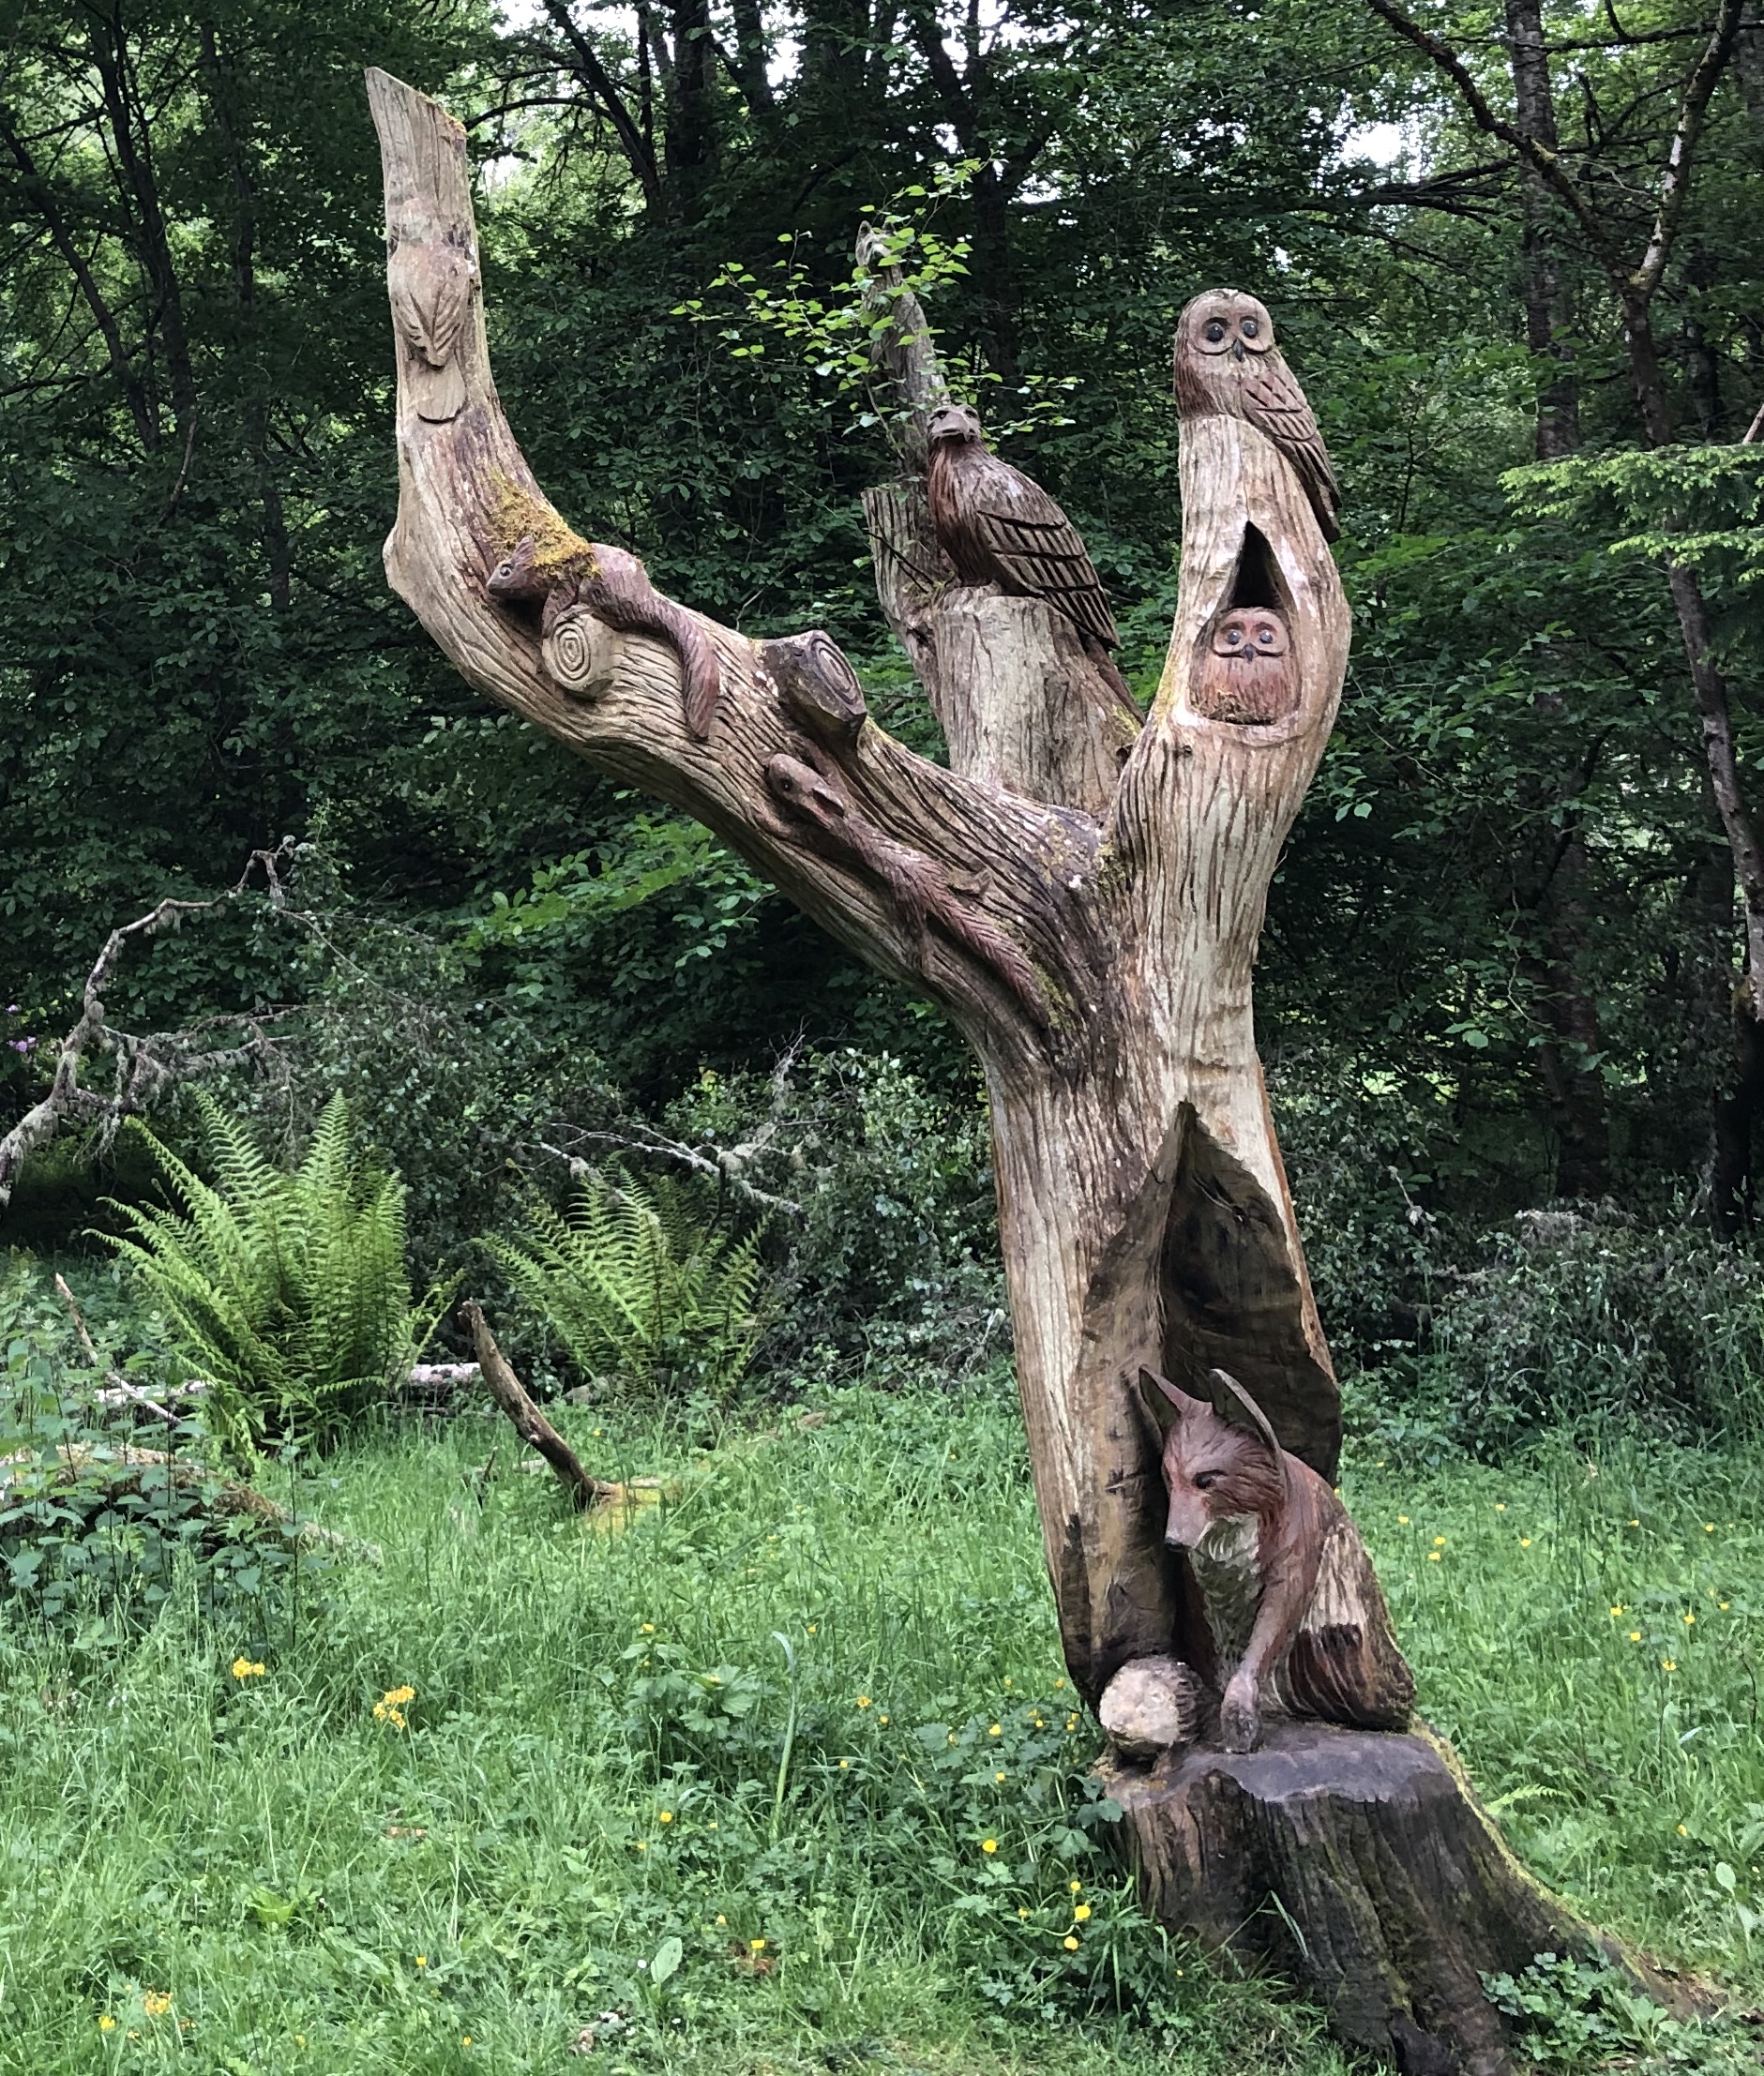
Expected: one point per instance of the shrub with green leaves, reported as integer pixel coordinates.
(286, 1289)
(636, 1285)
(1592, 1318)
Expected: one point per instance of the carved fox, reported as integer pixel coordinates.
(1293, 1609)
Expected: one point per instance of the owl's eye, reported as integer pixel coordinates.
(1234, 635)
(1264, 634)
(1216, 329)
(1251, 326)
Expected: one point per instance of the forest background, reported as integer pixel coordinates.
(1504, 962)
(1507, 998)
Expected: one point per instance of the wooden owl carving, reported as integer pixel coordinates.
(432, 295)
(1227, 365)
(1246, 671)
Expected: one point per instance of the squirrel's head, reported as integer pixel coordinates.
(1215, 1466)
(513, 576)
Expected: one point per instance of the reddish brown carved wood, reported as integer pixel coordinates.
(1290, 1613)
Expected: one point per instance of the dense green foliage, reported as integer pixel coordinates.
(632, 1282)
(1508, 902)
(286, 1291)
(778, 1775)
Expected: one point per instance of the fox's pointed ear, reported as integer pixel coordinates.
(1234, 1402)
(1161, 1402)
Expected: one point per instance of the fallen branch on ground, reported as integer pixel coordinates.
(529, 1423)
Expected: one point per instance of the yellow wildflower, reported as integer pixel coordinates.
(1617, 1611)
(390, 1707)
(107, 2024)
(997, 1730)
(1076, 1887)
(664, 1816)
(422, 1960)
(156, 2002)
(756, 1945)
(648, 1629)
(1022, 1912)
(845, 1766)
(1082, 1912)
(1402, 1521)
(1683, 1833)
(988, 1844)
(1070, 1942)
(998, 1776)
(1668, 1664)
(863, 1701)
(1501, 1506)
(882, 1718)
(1635, 1636)
(248, 1668)
(1524, 1542)
(1439, 1542)
(1708, 1528)
(1433, 1556)
(1690, 1621)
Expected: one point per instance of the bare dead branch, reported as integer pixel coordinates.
(531, 1424)
(147, 1066)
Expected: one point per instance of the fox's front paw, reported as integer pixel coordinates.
(1240, 1716)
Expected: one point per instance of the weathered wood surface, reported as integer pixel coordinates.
(529, 1423)
(1358, 1863)
(1083, 897)
(1144, 1210)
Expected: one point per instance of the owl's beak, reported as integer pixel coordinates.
(1237, 348)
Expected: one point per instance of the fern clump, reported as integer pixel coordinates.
(633, 1282)
(288, 1291)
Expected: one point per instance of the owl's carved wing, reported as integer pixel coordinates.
(431, 296)
(1275, 405)
(1034, 547)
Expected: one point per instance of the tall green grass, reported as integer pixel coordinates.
(731, 1723)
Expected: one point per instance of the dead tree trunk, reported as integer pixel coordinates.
(1083, 897)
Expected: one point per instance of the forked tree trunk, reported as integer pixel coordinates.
(1082, 896)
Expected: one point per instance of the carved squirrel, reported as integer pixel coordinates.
(1293, 1610)
(613, 587)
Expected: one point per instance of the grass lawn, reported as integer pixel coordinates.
(784, 1776)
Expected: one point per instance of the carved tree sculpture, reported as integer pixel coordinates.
(1082, 896)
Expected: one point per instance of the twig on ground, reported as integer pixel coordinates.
(119, 1384)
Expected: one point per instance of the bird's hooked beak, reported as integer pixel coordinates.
(1237, 348)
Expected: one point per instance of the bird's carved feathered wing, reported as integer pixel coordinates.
(1036, 546)
(1275, 405)
(430, 298)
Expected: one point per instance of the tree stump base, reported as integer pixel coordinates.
(1358, 1864)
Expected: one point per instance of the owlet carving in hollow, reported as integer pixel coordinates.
(1227, 365)
(1246, 671)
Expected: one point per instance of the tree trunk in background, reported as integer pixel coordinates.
(1096, 952)
(1558, 430)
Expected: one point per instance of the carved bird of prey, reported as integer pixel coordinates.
(999, 528)
(432, 288)
(1227, 365)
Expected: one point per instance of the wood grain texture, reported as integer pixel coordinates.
(1083, 897)
(1359, 1865)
